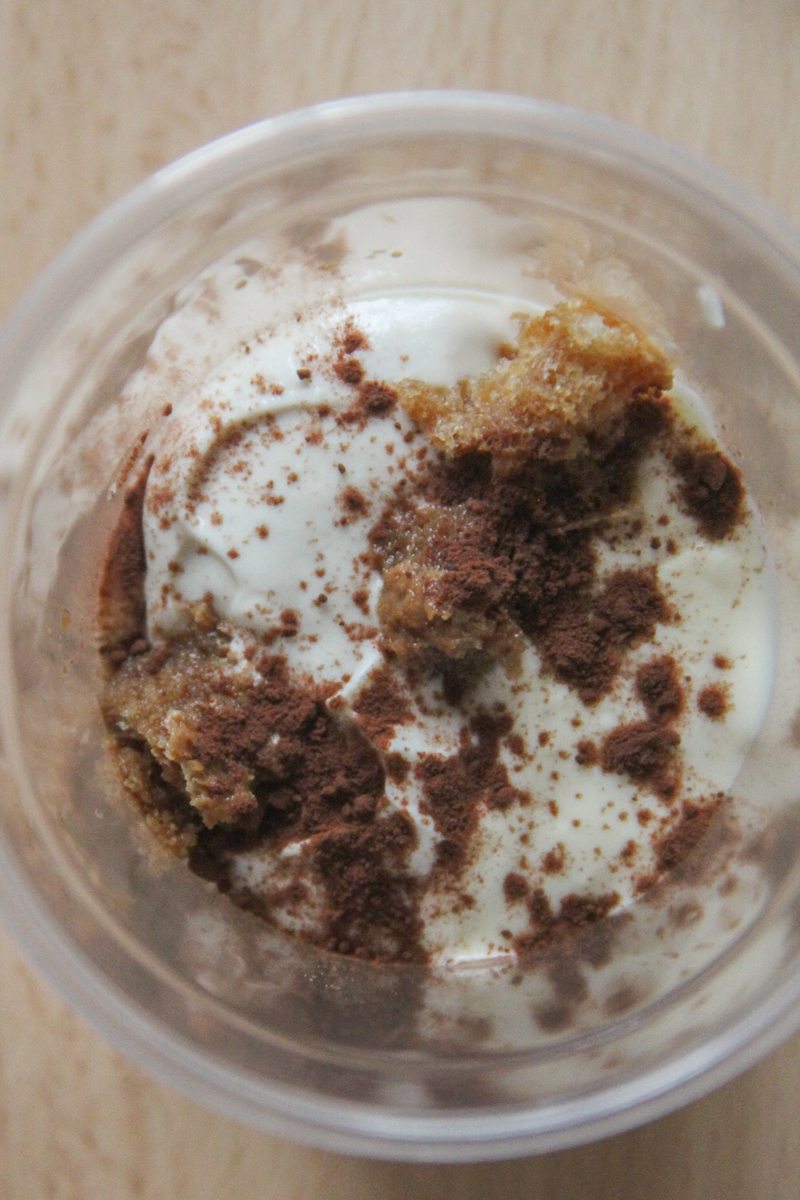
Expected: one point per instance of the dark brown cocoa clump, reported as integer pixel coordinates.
(643, 750)
(659, 688)
(382, 705)
(371, 907)
(455, 789)
(515, 886)
(712, 701)
(585, 637)
(711, 490)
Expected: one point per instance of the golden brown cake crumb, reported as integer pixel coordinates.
(575, 369)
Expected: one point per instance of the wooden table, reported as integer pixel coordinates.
(94, 94)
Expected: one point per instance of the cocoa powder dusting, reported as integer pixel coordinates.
(371, 909)
(455, 789)
(580, 934)
(382, 705)
(515, 886)
(376, 399)
(711, 490)
(630, 606)
(680, 845)
(353, 503)
(659, 688)
(373, 399)
(712, 701)
(349, 370)
(586, 753)
(354, 340)
(553, 861)
(643, 750)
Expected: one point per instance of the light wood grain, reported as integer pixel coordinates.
(94, 94)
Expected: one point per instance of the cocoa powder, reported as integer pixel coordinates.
(679, 846)
(643, 750)
(455, 789)
(711, 490)
(382, 705)
(659, 688)
(712, 701)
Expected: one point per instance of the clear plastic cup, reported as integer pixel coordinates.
(266, 1029)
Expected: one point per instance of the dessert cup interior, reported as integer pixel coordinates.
(471, 1062)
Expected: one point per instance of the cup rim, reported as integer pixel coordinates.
(361, 1128)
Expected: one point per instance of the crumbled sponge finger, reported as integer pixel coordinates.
(572, 373)
(169, 710)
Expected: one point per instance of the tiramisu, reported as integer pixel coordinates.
(435, 620)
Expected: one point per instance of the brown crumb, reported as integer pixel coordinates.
(376, 399)
(361, 600)
(575, 369)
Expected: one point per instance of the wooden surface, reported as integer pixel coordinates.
(94, 94)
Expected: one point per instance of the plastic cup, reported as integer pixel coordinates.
(288, 1038)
